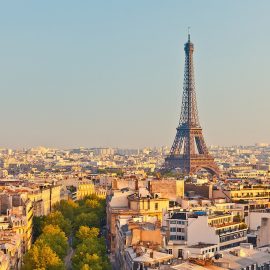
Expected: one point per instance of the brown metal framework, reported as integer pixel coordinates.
(189, 151)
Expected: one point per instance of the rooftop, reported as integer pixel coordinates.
(241, 257)
(148, 256)
(202, 245)
(179, 215)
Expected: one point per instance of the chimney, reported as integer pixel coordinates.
(136, 184)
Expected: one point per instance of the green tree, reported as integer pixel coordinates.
(38, 224)
(56, 218)
(86, 219)
(84, 233)
(85, 267)
(91, 252)
(67, 208)
(94, 204)
(55, 238)
(41, 256)
(94, 262)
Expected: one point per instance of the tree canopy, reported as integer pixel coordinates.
(41, 256)
(57, 218)
(75, 220)
(85, 232)
(90, 251)
(56, 239)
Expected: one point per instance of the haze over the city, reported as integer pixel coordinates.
(111, 73)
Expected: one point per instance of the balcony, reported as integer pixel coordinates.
(229, 228)
(233, 236)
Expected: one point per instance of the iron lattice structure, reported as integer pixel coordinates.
(189, 152)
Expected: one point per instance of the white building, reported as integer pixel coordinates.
(211, 232)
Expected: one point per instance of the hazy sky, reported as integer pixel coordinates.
(110, 73)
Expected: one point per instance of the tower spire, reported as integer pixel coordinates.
(189, 34)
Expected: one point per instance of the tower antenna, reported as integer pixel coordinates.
(189, 34)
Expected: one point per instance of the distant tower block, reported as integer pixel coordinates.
(189, 152)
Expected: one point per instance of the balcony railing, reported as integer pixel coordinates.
(223, 230)
(234, 236)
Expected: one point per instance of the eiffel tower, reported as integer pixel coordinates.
(189, 152)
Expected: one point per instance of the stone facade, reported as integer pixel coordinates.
(168, 188)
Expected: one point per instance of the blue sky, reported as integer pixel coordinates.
(110, 73)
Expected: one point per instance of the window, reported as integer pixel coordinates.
(173, 229)
(170, 251)
(172, 237)
(156, 206)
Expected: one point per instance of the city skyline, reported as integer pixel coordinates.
(97, 74)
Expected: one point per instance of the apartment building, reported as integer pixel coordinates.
(11, 245)
(4, 261)
(130, 203)
(43, 197)
(135, 240)
(17, 216)
(87, 187)
(259, 228)
(241, 192)
(244, 257)
(220, 231)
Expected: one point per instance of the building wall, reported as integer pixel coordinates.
(255, 219)
(264, 233)
(134, 207)
(4, 261)
(84, 189)
(152, 205)
(5, 203)
(153, 236)
(117, 205)
(22, 223)
(55, 194)
(205, 191)
(168, 188)
(88, 188)
(200, 231)
(119, 199)
(128, 183)
(29, 224)
(44, 199)
(11, 244)
(218, 193)
(177, 231)
(247, 194)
